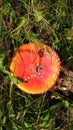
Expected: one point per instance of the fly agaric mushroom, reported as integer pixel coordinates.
(37, 68)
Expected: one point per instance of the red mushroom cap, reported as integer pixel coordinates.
(37, 67)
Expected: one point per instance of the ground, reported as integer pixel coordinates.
(49, 22)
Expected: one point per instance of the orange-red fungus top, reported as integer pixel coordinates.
(37, 67)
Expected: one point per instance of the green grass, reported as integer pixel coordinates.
(49, 22)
